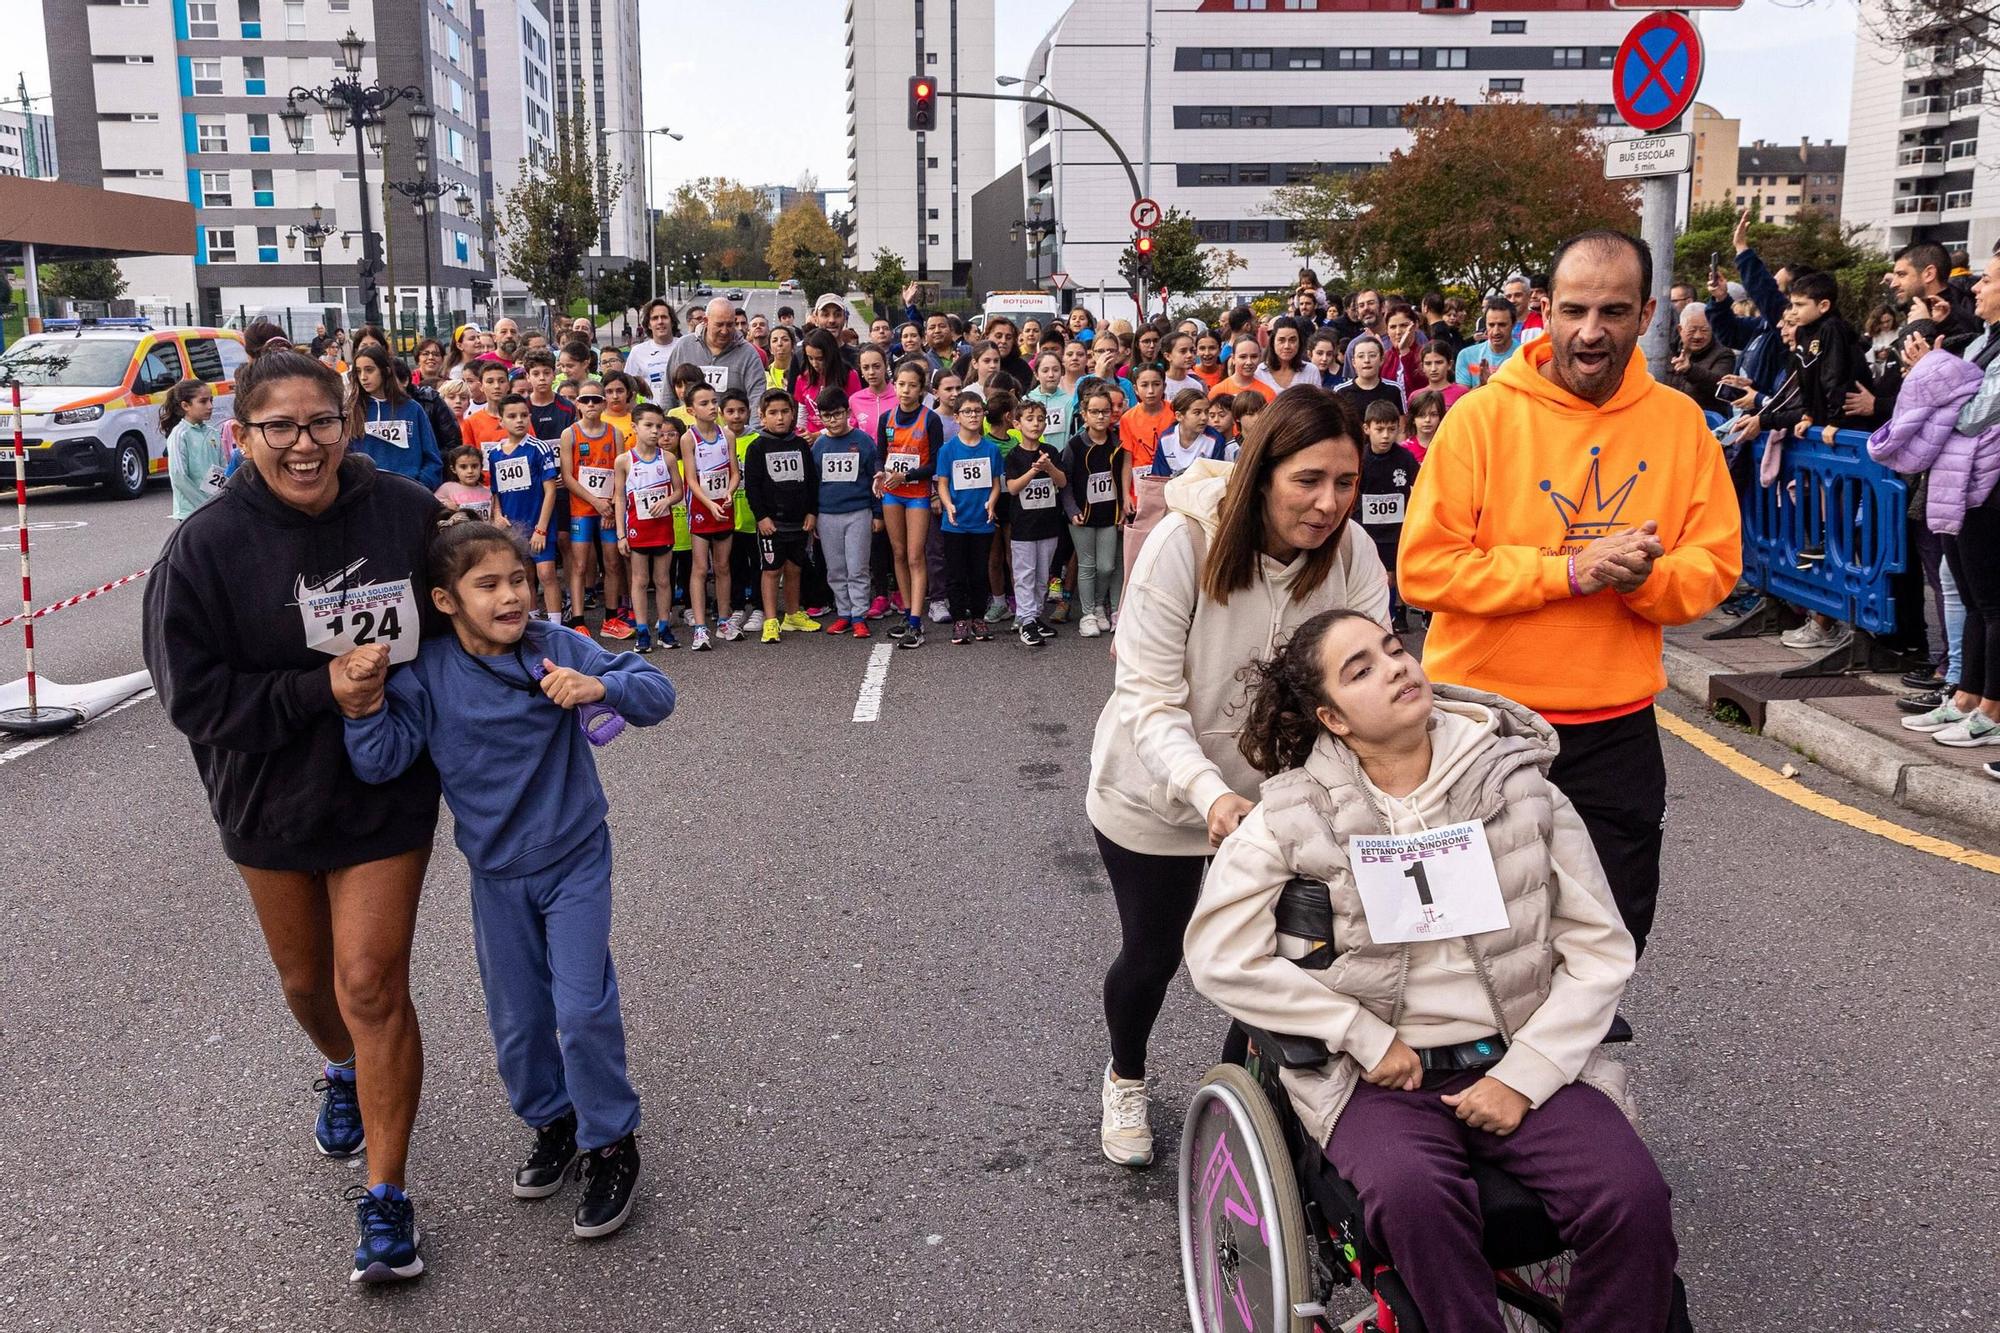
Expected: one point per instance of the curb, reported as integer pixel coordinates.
(1891, 771)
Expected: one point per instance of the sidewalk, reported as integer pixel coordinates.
(1858, 736)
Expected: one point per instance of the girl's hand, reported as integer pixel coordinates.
(359, 677)
(1225, 815)
(624, 546)
(1399, 1067)
(566, 688)
(1488, 1104)
(1079, 520)
(875, 525)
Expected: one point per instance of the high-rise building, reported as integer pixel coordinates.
(910, 192)
(1716, 137)
(1248, 95)
(1914, 127)
(27, 143)
(596, 71)
(1781, 180)
(516, 53)
(181, 100)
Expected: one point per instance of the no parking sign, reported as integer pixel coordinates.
(1657, 71)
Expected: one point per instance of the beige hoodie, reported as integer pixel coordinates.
(1165, 747)
(1562, 983)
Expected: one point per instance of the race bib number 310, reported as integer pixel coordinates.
(1436, 885)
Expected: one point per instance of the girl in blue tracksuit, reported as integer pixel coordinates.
(503, 704)
(388, 425)
(1189, 438)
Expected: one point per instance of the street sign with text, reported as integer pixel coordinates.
(1658, 155)
(1657, 71)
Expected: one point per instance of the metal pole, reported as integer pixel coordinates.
(371, 299)
(21, 525)
(652, 224)
(1657, 197)
(1146, 133)
(430, 291)
(34, 293)
(1131, 176)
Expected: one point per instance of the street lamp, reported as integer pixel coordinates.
(652, 264)
(1038, 230)
(423, 194)
(351, 104)
(314, 233)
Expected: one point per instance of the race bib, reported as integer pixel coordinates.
(596, 480)
(716, 482)
(1384, 509)
(903, 463)
(212, 484)
(512, 474)
(787, 466)
(840, 467)
(480, 509)
(651, 502)
(338, 621)
(1435, 885)
(1100, 488)
(968, 473)
(396, 433)
(717, 377)
(1058, 420)
(1039, 494)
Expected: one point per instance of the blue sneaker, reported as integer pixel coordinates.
(387, 1222)
(665, 630)
(644, 644)
(338, 1132)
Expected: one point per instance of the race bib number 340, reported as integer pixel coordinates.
(1436, 885)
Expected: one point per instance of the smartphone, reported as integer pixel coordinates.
(1729, 393)
(1714, 261)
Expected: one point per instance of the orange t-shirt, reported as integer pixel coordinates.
(480, 429)
(1232, 388)
(1139, 431)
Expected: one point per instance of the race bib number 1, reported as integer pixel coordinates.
(338, 621)
(1436, 885)
(1383, 509)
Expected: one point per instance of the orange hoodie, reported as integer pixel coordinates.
(1522, 475)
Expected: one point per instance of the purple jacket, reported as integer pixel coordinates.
(1922, 435)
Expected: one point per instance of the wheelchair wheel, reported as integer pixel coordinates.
(1243, 1237)
(1531, 1296)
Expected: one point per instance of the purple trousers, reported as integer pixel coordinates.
(1407, 1156)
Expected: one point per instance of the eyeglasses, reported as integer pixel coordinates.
(282, 433)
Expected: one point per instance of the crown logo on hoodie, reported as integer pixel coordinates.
(1594, 514)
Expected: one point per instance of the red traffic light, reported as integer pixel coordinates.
(1143, 245)
(923, 103)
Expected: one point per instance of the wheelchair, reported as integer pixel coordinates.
(1271, 1237)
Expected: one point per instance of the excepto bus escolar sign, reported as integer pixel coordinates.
(1657, 155)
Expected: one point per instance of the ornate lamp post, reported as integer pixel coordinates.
(315, 234)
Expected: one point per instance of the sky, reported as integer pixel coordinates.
(737, 86)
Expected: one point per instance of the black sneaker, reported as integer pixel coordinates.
(1920, 703)
(1991, 769)
(1923, 680)
(913, 635)
(961, 633)
(338, 1132)
(899, 629)
(982, 630)
(610, 1179)
(1031, 634)
(386, 1246)
(549, 1161)
(1045, 629)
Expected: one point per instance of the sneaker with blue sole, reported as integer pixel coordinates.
(386, 1224)
(338, 1131)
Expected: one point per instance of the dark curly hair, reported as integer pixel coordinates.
(1285, 693)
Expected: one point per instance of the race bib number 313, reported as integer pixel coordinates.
(1436, 885)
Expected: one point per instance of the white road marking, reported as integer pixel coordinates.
(29, 747)
(868, 703)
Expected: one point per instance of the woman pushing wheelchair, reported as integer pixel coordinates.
(1478, 963)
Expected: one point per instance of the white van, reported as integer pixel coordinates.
(1018, 306)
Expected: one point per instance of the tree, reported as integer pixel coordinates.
(1814, 240)
(83, 280)
(1481, 191)
(551, 218)
(724, 221)
(805, 246)
(884, 283)
(1179, 262)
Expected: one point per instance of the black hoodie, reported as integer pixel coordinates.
(227, 609)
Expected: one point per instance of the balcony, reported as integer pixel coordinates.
(1920, 160)
(1927, 60)
(1957, 201)
(1925, 112)
(1965, 99)
(1916, 210)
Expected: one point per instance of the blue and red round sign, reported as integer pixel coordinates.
(1657, 71)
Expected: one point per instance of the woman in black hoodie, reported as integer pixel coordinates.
(267, 621)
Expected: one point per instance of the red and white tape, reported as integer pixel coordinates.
(68, 602)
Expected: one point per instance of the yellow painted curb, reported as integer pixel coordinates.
(1800, 795)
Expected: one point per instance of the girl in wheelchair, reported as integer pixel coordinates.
(1479, 960)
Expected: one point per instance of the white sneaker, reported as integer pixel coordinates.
(940, 613)
(753, 622)
(1944, 715)
(687, 615)
(730, 630)
(1808, 635)
(1125, 1132)
(1088, 628)
(1977, 729)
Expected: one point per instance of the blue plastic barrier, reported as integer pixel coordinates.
(1834, 498)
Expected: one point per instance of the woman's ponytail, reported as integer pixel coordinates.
(1285, 693)
(174, 406)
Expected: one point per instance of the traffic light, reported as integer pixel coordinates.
(923, 102)
(1142, 250)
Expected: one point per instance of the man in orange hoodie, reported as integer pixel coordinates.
(1566, 512)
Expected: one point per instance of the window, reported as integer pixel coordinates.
(1253, 174)
(145, 117)
(207, 77)
(1307, 58)
(1961, 149)
(337, 6)
(931, 239)
(1405, 57)
(1211, 231)
(161, 369)
(253, 76)
(1569, 57)
(930, 57)
(933, 215)
(1218, 58)
(1302, 4)
(211, 136)
(133, 4)
(215, 190)
(1212, 173)
(295, 20)
(1298, 173)
(1349, 117)
(201, 20)
(1791, 199)
(1249, 4)
(260, 135)
(221, 243)
(1303, 117)
(267, 245)
(205, 360)
(931, 162)
(1509, 27)
(1215, 117)
(138, 60)
(262, 194)
(1352, 57)
(1451, 57)
(1503, 85)
(1253, 117)
(1253, 231)
(1253, 59)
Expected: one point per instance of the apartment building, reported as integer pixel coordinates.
(596, 74)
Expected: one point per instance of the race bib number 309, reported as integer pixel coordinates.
(1384, 509)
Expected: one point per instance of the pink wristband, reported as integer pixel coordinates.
(1575, 588)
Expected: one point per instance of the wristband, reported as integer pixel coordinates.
(1575, 588)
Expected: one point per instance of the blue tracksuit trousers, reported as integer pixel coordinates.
(544, 943)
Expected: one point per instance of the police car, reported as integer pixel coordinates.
(91, 394)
